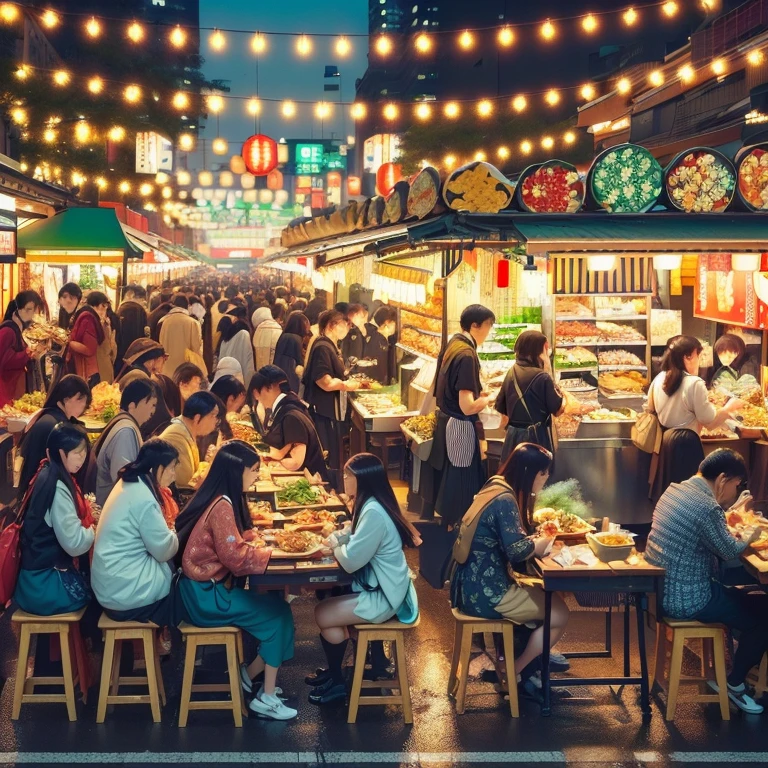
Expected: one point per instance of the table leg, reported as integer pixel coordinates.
(545, 682)
(641, 603)
(627, 608)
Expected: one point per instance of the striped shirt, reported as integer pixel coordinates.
(688, 538)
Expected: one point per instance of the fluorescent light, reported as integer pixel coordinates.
(668, 261)
(745, 262)
(601, 263)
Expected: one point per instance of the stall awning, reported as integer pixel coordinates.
(76, 234)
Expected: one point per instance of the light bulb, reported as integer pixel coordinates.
(186, 142)
(259, 43)
(116, 133)
(22, 73)
(288, 109)
(548, 31)
(254, 107)
(180, 100)
(358, 111)
(93, 27)
(303, 46)
(569, 137)
(215, 103)
(9, 13)
(547, 142)
(423, 43)
(184, 178)
(135, 32)
(503, 152)
(219, 146)
(322, 110)
(423, 111)
(146, 189)
(383, 45)
(630, 17)
(452, 110)
(589, 23)
(670, 9)
(449, 161)
(656, 78)
(124, 187)
(178, 37)
(587, 92)
(132, 94)
(19, 115)
(485, 108)
(520, 103)
(552, 97)
(466, 40)
(96, 85)
(755, 58)
(50, 19)
(719, 67)
(526, 147)
(217, 41)
(391, 112)
(686, 73)
(480, 156)
(343, 47)
(506, 36)
(82, 132)
(624, 86)
(49, 135)
(101, 182)
(61, 77)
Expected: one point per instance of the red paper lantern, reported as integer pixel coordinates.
(354, 186)
(260, 154)
(334, 180)
(386, 178)
(274, 180)
(502, 274)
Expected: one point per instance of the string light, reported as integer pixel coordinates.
(132, 94)
(219, 146)
(215, 103)
(303, 46)
(259, 43)
(670, 9)
(22, 73)
(146, 189)
(588, 92)
(589, 24)
(19, 115)
(547, 142)
(254, 107)
(383, 45)
(466, 40)
(343, 47)
(485, 108)
(755, 58)
(423, 43)
(630, 17)
(569, 137)
(552, 97)
(9, 13)
(116, 133)
(624, 86)
(503, 153)
(180, 100)
(358, 111)
(50, 136)
(288, 109)
(323, 110)
(167, 193)
(135, 34)
(686, 73)
(449, 161)
(93, 27)
(423, 111)
(391, 112)
(184, 178)
(50, 19)
(548, 31)
(95, 85)
(656, 78)
(451, 110)
(61, 77)
(519, 103)
(186, 142)
(526, 147)
(82, 132)
(480, 156)
(124, 187)
(506, 36)
(719, 67)
(178, 37)
(217, 41)
(101, 183)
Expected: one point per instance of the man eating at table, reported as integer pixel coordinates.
(688, 529)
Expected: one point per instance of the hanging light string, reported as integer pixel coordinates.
(547, 30)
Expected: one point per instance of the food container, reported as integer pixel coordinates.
(752, 177)
(397, 202)
(16, 424)
(625, 179)
(478, 188)
(490, 419)
(551, 187)
(424, 193)
(700, 180)
(609, 552)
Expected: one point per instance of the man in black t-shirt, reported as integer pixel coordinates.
(354, 343)
(378, 330)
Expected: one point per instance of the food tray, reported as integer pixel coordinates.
(575, 536)
(279, 554)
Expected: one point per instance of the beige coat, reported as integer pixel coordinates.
(106, 353)
(179, 334)
(177, 434)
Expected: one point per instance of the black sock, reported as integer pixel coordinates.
(334, 652)
(379, 659)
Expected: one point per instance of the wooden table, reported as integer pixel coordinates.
(755, 567)
(313, 574)
(619, 577)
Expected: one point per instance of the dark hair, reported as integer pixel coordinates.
(520, 470)
(66, 437)
(224, 478)
(231, 291)
(199, 404)
(180, 300)
(137, 290)
(137, 391)
(68, 386)
(475, 314)
(227, 386)
(165, 297)
(384, 314)
(529, 346)
(155, 453)
(278, 312)
(298, 324)
(96, 299)
(71, 289)
(674, 362)
(22, 299)
(239, 311)
(222, 306)
(267, 376)
(354, 309)
(328, 319)
(299, 305)
(194, 300)
(343, 307)
(186, 372)
(723, 461)
(730, 342)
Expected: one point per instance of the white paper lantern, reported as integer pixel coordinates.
(197, 193)
(226, 179)
(237, 164)
(183, 194)
(219, 194)
(281, 197)
(205, 178)
(208, 194)
(266, 196)
(247, 181)
(250, 196)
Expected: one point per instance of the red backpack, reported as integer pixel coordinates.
(11, 520)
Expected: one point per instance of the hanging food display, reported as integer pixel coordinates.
(625, 179)
(478, 188)
(552, 187)
(397, 202)
(752, 177)
(424, 193)
(701, 181)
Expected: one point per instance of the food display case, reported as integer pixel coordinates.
(380, 410)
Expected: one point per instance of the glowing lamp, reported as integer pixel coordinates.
(260, 154)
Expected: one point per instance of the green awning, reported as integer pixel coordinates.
(78, 229)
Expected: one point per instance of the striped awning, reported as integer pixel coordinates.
(571, 276)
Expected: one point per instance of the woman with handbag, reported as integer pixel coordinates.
(370, 548)
(678, 397)
(491, 553)
(529, 397)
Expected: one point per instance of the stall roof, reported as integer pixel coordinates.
(76, 230)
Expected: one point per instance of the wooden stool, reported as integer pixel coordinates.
(232, 639)
(389, 630)
(24, 691)
(382, 442)
(466, 627)
(115, 633)
(761, 679)
(712, 647)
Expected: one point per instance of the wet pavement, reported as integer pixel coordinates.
(597, 727)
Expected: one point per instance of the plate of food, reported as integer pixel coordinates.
(606, 415)
(302, 493)
(296, 544)
(560, 524)
(313, 520)
(261, 513)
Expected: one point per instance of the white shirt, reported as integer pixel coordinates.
(688, 408)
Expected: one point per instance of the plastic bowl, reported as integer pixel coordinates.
(608, 552)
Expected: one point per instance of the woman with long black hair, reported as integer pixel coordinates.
(132, 567)
(291, 347)
(216, 547)
(66, 402)
(491, 582)
(58, 529)
(236, 340)
(371, 549)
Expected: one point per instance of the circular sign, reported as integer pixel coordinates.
(260, 154)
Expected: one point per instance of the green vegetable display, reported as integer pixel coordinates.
(296, 494)
(626, 179)
(109, 413)
(565, 496)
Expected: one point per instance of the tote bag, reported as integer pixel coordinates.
(647, 431)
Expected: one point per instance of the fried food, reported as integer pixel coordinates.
(314, 516)
(625, 381)
(615, 540)
(422, 426)
(261, 512)
(296, 542)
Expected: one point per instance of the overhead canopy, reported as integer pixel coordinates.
(78, 233)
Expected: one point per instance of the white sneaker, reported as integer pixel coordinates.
(245, 680)
(738, 695)
(278, 692)
(271, 707)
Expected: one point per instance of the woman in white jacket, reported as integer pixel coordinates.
(132, 571)
(236, 340)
